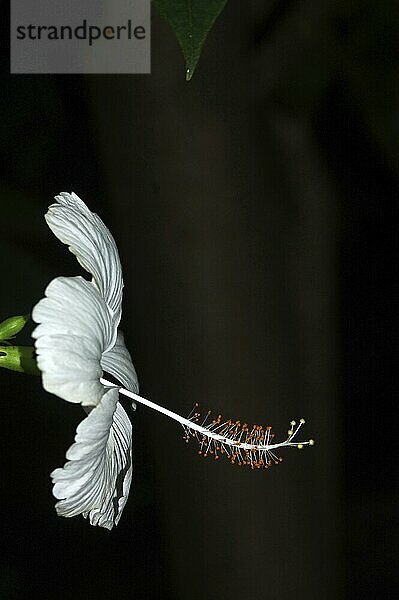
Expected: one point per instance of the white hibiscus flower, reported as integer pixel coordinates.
(76, 339)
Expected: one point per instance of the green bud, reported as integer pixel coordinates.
(10, 327)
(19, 358)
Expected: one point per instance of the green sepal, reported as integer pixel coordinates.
(19, 358)
(11, 326)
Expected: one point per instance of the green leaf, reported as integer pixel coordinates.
(19, 358)
(191, 20)
(10, 327)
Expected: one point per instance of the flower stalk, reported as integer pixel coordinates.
(19, 358)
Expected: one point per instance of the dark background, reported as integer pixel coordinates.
(255, 210)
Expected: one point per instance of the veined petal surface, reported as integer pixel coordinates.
(92, 243)
(96, 479)
(117, 361)
(75, 328)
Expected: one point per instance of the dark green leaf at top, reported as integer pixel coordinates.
(191, 21)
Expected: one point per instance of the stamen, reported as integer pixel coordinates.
(229, 439)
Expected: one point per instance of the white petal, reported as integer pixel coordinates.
(117, 362)
(75, 328)
(92, 244)
(96, 479)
